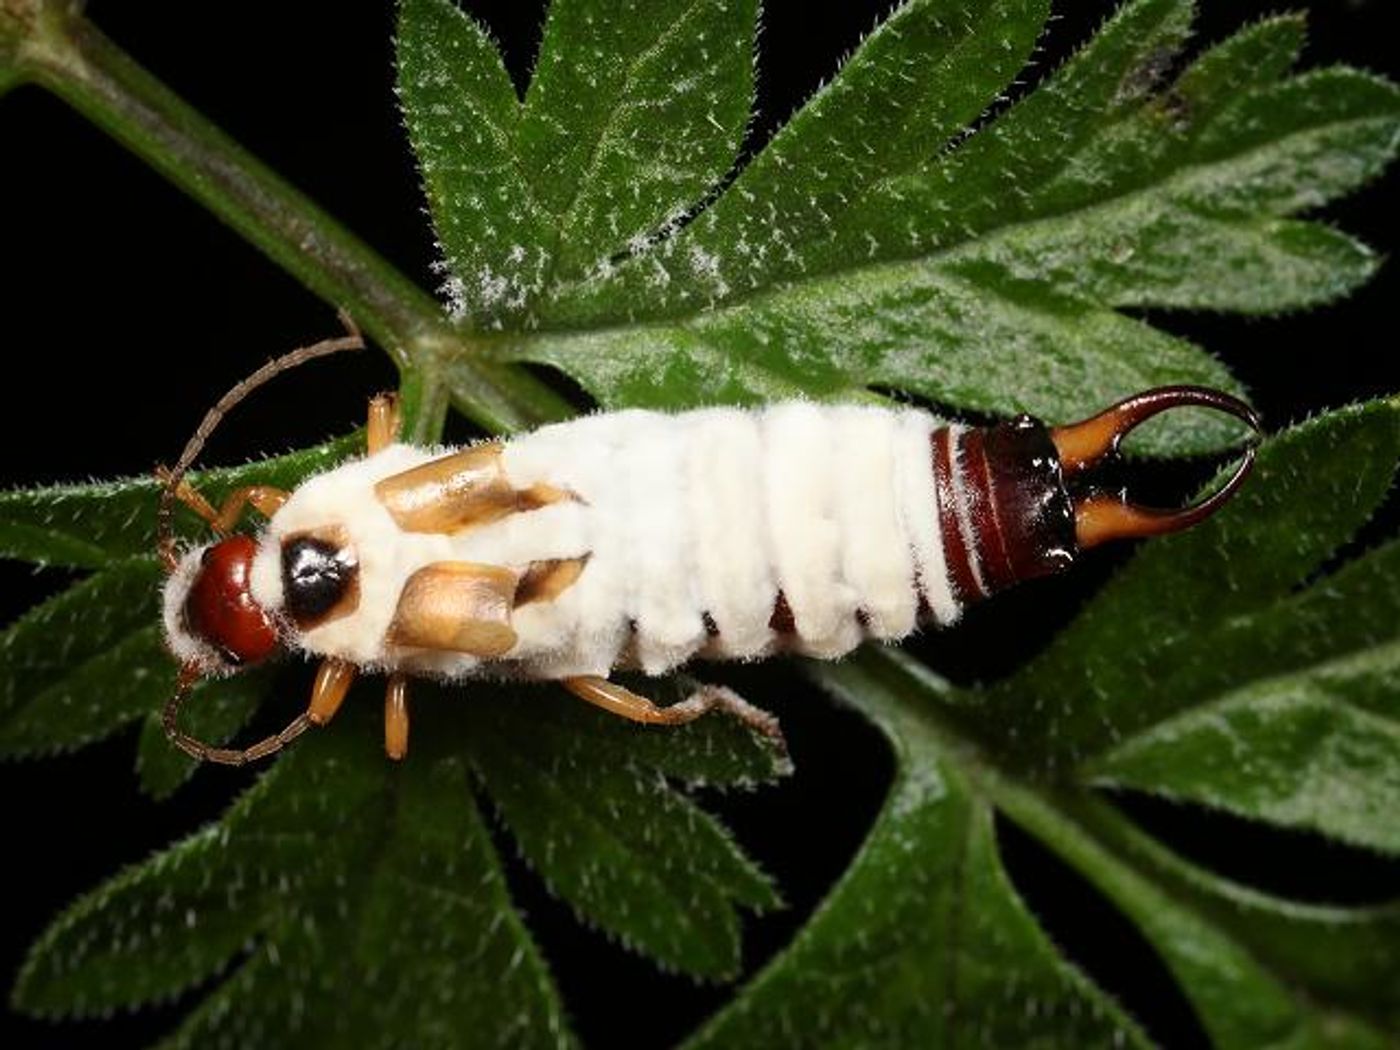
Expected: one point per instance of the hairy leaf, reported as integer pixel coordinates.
(840, 334)
(216, 711)
(924, 941)
(88, 663)
(462, 116)
(85, 664)
(1190, 615)
(88, 525)
(1259, 969)
(609, 836)
(868, 246)
(338, 867)
(917, 80)
(627, 123)
(909, 230)
(1317, 748)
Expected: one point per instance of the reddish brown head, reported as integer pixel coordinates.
(220, 610)
(212, 623)
(210, 612)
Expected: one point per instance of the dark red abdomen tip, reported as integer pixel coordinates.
(220, 610)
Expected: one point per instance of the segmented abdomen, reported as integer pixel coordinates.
(734, 534)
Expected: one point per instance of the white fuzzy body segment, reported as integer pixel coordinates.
(700, 516)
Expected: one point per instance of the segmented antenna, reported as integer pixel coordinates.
(202, 752)
(165, 538)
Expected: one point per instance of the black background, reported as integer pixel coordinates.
(128, 309)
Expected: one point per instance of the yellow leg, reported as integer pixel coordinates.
(382, 429)
(622, 701)
(265, 499)
(333, 680)
(396, 717)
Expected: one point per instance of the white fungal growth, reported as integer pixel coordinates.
(721, 532)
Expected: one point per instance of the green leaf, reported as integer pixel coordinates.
(982, 329)
(923, 942)
(608, 834)
(1192, 613)
(1317, 748)
(915, 82)
(1256, 56)
(1298, 144)
(462, 117)
(907, 230)
(628, 122)
(1260, 970)
(85, 663)
(216, 711)
(869, 246)
(91, 661)
(183, 898)
(89, 525)
(339, 868)
(721, 753)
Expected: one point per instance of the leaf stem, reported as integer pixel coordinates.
(51, 44)
(1063, 817)
(423, 402)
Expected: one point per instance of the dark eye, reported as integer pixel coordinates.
(319, 578)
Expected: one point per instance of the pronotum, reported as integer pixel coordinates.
(636, 540)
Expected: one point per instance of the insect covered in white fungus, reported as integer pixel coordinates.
(636, 540)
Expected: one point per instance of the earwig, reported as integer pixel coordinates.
(637, 540)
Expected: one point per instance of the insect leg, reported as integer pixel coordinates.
(333, 680)
(189, 496)
(265, 499)
(622, 701)
(382, 429)
(396, 717)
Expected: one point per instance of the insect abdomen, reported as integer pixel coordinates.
(846, 529)
(737, 533)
